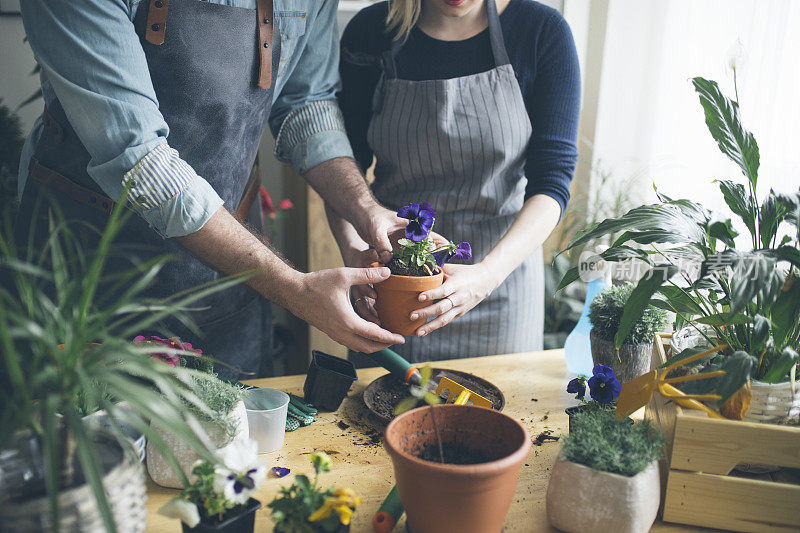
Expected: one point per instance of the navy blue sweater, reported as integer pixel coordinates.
(542, 53)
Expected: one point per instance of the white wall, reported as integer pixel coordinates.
(16, 63)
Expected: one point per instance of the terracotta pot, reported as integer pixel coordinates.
(580, 499)
(449, 497)
(397, 298)
(633, 359)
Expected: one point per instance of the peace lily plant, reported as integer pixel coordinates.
(748, 295)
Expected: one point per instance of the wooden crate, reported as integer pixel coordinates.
(698, 486)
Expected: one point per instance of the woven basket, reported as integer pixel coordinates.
(774, 401)
(125, 489)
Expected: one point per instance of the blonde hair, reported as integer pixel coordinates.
(403, 14)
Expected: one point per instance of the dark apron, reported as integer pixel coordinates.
(208, 64)
(460, 144)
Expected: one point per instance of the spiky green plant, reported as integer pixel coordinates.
(606, 311)
(601, 442)
(62, 338)
(749, 295)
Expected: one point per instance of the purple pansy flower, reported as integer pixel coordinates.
(603, 386)
(421, 217)
(280, 471)
(577, 387)
(462, 252)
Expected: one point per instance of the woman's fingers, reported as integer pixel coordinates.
(439, 308)
(437, 323)
(436, 294)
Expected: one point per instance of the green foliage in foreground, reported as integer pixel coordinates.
(219, 399)
(606, 311)
(601, 442)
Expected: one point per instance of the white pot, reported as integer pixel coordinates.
(580, 499)
(772, 402)
(161, 471)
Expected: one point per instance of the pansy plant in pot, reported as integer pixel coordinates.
(220, 499)
(604, 388)
(416, 267)
(303, 507)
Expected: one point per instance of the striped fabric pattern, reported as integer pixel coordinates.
(303, 122)
(158, 176)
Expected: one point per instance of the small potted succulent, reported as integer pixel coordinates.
(219, 500)
(633, 357)
(223, 420)
(416, 267)
(606, 476)
(303, 507)
(604, 388)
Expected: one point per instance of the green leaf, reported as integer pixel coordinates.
(779, 369)
(786, 312)
(751, 273)
(640, 297)
(769, 220)
(738, 368)
(680, 300)
(724, 123)
(724, 319)
(723, 231)
(406, 404)
(760, 333)
(572, 275)
(740, 202)
(789, 254)
(431, 398)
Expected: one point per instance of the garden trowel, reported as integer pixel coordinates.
(637, 392)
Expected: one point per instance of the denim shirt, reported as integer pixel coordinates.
(93, 62)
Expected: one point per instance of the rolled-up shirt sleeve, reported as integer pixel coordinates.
(93, 63)
(306, 120)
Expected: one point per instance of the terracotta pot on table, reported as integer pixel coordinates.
(449, 497)
(397, 298)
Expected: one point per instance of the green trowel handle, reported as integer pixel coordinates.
(394, 363)
(389, 513)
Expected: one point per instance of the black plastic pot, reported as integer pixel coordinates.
(328, 380)
(242, 522)
(572, 411)
(342, 529)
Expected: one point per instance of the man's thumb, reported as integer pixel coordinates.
(364, 276)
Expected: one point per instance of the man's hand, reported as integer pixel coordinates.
(323, 300)
(342, 186)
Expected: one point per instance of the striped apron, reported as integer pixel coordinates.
(460, 144)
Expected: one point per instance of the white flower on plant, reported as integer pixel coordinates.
(181, 509)
(737, 57)
(241, 471)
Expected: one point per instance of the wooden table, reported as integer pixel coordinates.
(533, 385)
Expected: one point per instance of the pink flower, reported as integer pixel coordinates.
(174, 343)
(285, 204)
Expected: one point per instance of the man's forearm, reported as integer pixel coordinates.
(343, 188)
(227, 246)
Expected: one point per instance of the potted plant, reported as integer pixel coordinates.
(219, 500)
(606, 476)
(223, 420)
(604, 388)
(416, 267)
(65, 330)
(456, 466)
(304, 507)
(744, 287)
(632, 358)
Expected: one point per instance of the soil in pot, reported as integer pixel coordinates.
(397, 298)
(471, 494)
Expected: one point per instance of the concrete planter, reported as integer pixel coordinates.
(580, 499)
(633, 359)
(160, 470)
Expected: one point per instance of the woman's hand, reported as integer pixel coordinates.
(465, 287)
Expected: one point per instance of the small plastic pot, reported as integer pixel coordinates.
(266, 416)
(328, 380)
(242, 522)
(572, 411)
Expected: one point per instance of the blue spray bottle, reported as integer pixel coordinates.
(577, 348)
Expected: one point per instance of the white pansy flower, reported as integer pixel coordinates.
(181, 509)
(242, 473)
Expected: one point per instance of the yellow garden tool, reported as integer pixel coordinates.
(460, 395)
(637, 392)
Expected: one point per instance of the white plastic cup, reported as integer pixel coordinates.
(266, 416)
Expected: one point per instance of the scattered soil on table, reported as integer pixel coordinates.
(342, 424)
(392, 390)
(544, 436)
(454, 454)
